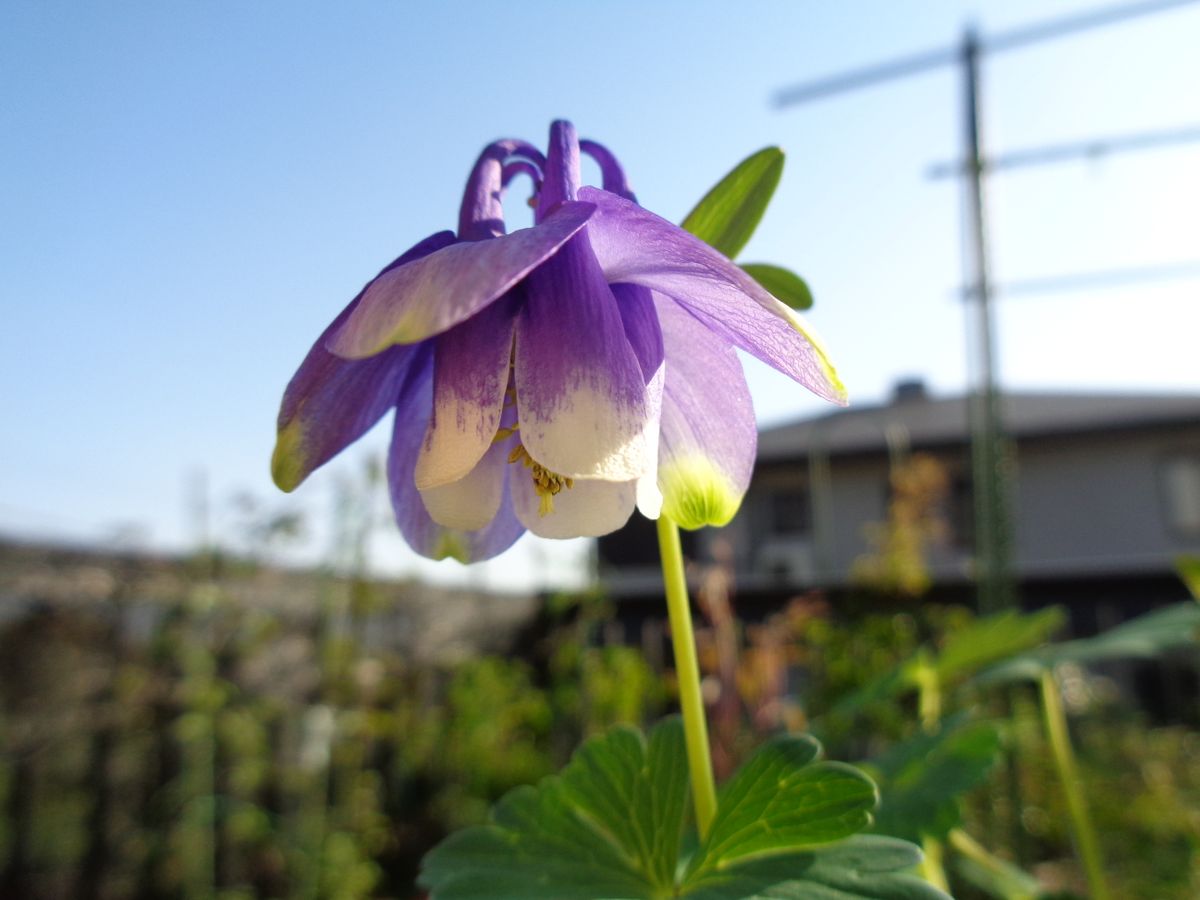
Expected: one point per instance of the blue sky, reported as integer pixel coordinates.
(191, 190)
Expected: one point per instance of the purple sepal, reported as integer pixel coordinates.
(580, 391)
(707, 411)
(424, 535)
(419, 300)
(332, 402)
(636, 246)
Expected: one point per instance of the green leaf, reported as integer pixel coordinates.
(982, 643)
(783, 800)
(998, 878)
(994, 638)
(728, 214)
(865, 867)
(923, 778)
(1147, 636)
(887, 684)
(1188, 568)
(783, 283)
(610, 827)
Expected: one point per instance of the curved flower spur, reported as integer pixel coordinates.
(553, 378)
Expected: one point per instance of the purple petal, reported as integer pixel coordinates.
(637, 246)
(612, 176)
(640, 321)
(589, 509)
(331, 402)
(580, 391)
(482, 214)
(420, 531)
(644, 334)
(709, 438)
(470, 375)
(560, 175)
(416, 301)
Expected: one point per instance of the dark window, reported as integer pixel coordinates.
(1181, 493)
(790, 512)
(960, 512)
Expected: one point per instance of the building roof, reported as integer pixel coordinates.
(918, 419)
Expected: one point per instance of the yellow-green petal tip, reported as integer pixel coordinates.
(287, 461)
(696, 493)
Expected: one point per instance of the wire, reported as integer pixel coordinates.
(1089, 149)
(931, 59)
(1110, 278)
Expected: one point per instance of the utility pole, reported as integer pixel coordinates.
(991, 459)
(990, 464)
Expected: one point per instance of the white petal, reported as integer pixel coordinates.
(589, 509)
(471, 502)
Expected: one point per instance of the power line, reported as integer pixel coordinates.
(1088, 149)
(1110, 278)
(931, 59)
(1109, 15)
(867, 76)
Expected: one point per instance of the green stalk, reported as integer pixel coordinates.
(929, 706)
(687, 669)
(929, 694)
(1015, 883)
(1068, 774)
(933, 867)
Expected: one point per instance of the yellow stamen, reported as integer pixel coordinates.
(504, 433)
(547, 484)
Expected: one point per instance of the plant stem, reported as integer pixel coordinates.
(1015, 883)
(932, 866)
(929, 706)
(1068, 774)
(687, 670)
(929, 696)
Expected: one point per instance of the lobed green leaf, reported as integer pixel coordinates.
(610, 827)
(782, 800)
(865, 867)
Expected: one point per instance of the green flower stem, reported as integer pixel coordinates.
(1068, 774)
(929, 706)
(929, 694)
(1014, 883)
(933, 868)
(687, 669)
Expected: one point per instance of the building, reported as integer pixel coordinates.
(1106, 494)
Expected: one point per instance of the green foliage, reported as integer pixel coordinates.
(922, 779)
(1146, 637)
(226, 750)
(864, 867)
(963, 653)
(728, 214)
(966, 652)
(611, 827)
(783, 283)
(1188, 568)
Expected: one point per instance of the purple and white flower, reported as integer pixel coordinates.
(551, 379)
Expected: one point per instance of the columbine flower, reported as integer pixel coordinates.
(552, 378)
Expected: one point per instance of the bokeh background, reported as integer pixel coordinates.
(210, 689)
